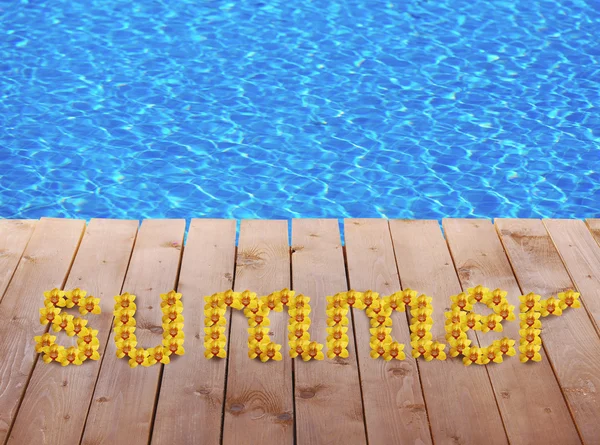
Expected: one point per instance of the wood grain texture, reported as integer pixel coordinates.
(581, 256)
(259, 405)
(530, 400)
(44, 265)
(460, 400)
(392, 396)
(57, 397)
(14, 236)
(190, 402)
(594, 226)
(123, 402)
(327, 392)
(572, 345)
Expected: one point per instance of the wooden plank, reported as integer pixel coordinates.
(57, 398)
(327, 393)
(123, 404)
(190, 402)
(594, 226)
(259, 405)
(45, 264)
(528, 417)
(14, 236)
(581, 256)
(571, 341)
(392, 396)
(460, 400)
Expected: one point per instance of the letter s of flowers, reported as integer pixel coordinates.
(55, 302)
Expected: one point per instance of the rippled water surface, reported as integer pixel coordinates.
(281, 109)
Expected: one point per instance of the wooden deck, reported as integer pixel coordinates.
(356, 400)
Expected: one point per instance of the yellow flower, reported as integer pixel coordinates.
(214, 317)
(124, 317)
(394, 350)
(54, 353)
(336, 302)
(260, 318)
(273, 302)
(496, 297)
(50, 314)
(337, 348)
(158, 354)
(420, 347)
(471, 355)
(530, 319)
(314, 351)
(55, 297)
(255, 348)
(138, 357)
(297, 347)
(455, 316)
(125, 302)
(378, 348)
(285, 295)
(88, 352)
(435, 351)
(506, 346)
(124, 347)
(232, 299)
(423, 302)
(175, 345)
(298, 331)
(394, 302)
(379, 334)
(299, 302)
(173, 315)
(551, 306)
(570, 298)
(252, 308)
(461, 301)
(171, 298)
(337, 316)
(271, 352)
(420, 331)
(212, 333)
(472, 321)
(491, 322)
(408, 297)
(454, 331)
(213, 349)
(354, 299)
(63, 322)
(383, 318)
(529, 302)
(71, 356)
(215, 301)
(530, 351)
(246, 297)
(478, 294)
(506, 311)
(338, 333)
(299, 316)
(369, 297)
(123, 333)
(43, 342)
(89, 305)
(421, 316)
(530, 335)
(89, 339)
(458, 346)
(374, 308)
(78, 325)
(73, 297)
(258, 334)
(492, 354)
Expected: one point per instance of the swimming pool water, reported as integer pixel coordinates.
(279, 109)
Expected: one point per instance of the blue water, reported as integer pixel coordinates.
(282, 109)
